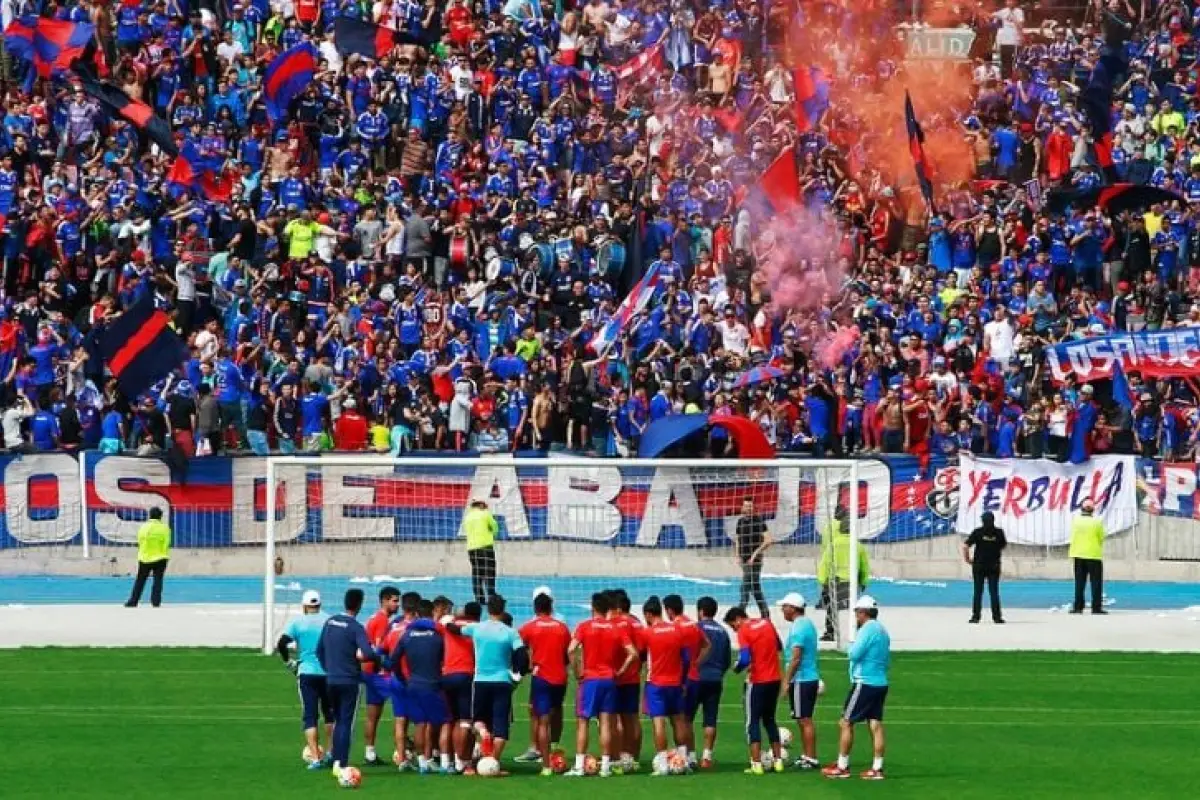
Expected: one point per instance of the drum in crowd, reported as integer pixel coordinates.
(610, 259)
(460, 253)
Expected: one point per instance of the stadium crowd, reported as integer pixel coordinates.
(428, 251)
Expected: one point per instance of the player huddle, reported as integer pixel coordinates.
(449, 679)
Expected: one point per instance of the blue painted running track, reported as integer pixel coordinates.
(572, 593)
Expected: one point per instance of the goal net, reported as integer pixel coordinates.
(575, 525)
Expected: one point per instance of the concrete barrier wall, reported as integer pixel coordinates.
(1159, 548)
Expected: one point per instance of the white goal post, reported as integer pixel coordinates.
(653, 526)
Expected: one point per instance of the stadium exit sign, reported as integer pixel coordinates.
(941, 44)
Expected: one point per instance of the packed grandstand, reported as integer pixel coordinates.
(517, 227)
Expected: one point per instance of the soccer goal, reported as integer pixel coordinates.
(576, 525)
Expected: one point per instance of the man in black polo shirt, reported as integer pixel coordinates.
(750, 542)
(989, 542)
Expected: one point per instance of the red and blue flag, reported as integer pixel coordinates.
(140, 115)
(633, 304)
(202, 174)
(812, 96)
(140, 348)
(777, 190)
(916, 146)
(355, 37)
(1122, 395)
(287, 77)
(52, 45)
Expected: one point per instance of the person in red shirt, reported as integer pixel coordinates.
(548, 640)
(666, 647)
(697, 647)
(350, 430)
(759, 649)
(377, 681)
(629, 684)
(409, 601)
(607, 652)
(458, 677)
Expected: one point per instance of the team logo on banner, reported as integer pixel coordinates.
(943, 498)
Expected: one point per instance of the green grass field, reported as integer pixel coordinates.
(224, 724)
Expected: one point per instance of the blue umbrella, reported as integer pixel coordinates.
(664, 432)
(757, 375)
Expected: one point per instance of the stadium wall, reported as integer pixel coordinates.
(371, 523)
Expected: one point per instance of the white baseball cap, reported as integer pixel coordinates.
(793, 599)
(311, 598)
(866, 603)
(543, 590)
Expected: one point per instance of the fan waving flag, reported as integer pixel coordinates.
(287, 76)
(916, 146)
(1122, 395)
(645, 67)
(636, 301)
(812, 96)
(142, 117)
(777, 190)
(51, 44)
(355, 37)
(139, 348)
(201, 174)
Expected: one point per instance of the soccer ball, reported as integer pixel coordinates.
(783, 754)
(309, 756)
(661, 764)
(488, 767)
(766, 759)
(785, 737)
(591, 765)
(350, 778)
(558, 762)
(820, 687)
(677, 764)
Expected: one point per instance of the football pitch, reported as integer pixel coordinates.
(224, 724)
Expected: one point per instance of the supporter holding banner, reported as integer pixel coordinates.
(1170, 353)
(1033, 501)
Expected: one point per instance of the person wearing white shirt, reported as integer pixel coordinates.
(1010, 35)
(735, 336)
(999, 336)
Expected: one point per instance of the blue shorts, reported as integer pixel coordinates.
(663, 701)
(628, 695)
(802, 697)
(426, 707)
(864, 703)
(596, 696)
(545, 697)
(378, 688)
(314, 697)
(492, 704)
(760, 700)
(398, 692)
(458, 695)
(704, 695)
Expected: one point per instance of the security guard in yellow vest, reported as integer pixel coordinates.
(833, 570)
(481, 528)
(1087, 550)
(154, 548)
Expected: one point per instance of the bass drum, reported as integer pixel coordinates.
(610, 259)
(460, 253)
(545, 254)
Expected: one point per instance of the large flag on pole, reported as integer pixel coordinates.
(117, 103)
(633, 304)
(916, 146)
(1122, 395)
(140, 348)
(355, 37)
(812, 96)
(286, 77)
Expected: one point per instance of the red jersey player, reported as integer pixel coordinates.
(408, 609)
(696, 642)
(666, 648)
(759, 649)
(629, 684)
(548, 640)
(458, 678)
(376, 680)
(607, 652)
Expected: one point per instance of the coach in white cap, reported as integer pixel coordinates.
(303, 633)
(801, 674)
(870, 656)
